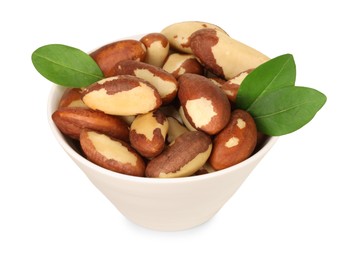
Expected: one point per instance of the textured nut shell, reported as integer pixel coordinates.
(72, 120)
(122, 95)
(236, 142)
(72, 98)
(222, 55)
(157, 48)
(163, 81)
(148, 132)
(178, 34)
(183, 157)
(205, 106)
(178, 64)
(112, 154)
(108, 55)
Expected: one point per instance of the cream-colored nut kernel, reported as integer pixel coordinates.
(224, 56)
(175, 129)
(201, 111)
(122, 96)
(236, 142)
(163, 81)
(157, 48)
(148, 133)
(241, 123)
(205, 106)
(233, 141)
(110, 153)
(178, 64)
(178, 34)
(185, 120)
(72, 120)
(217, 81)
(186, 155)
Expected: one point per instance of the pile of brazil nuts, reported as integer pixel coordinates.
(166, 105)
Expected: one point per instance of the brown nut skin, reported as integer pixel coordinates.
(235, 142)
(112, 154)
(148, 133)
(163, 81)
(186, 155)
(178, 34)
(232, 86)
(72, 120)
(222, 55)
(178, 64)
(122, 96)
(72, 98)
(204, 104)
(157, 48)
(108, 55)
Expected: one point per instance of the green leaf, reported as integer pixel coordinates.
(273, 74)
(285, 110)
(66, 66)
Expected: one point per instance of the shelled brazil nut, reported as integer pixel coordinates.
(174, 88)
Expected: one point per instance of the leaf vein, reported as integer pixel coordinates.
(265, 89)
(283, 110)
(70, 68)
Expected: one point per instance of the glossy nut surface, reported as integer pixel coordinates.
(186, 155)
(164, 82)
(108, 55)
(178, 64)
(112, 154)
(157, 48)
(235, 142)
(222, 55)
(178, 34)
(148, 133)
(72, 120)
(204, 104)
(122, 95)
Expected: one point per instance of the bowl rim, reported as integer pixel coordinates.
(76, 156)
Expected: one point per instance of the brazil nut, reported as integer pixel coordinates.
(163, 81)
(178, 64)
(122, 95)
(186, 155)
(112, 154)
(148, 133)
(222, 55)
(235, 142)
(72, 120)
(157, 48)
(108, 55)
(204, 104)
(179, 34)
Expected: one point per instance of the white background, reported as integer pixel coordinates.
(298, 202)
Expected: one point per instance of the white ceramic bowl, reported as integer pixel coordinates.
(161, 204)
